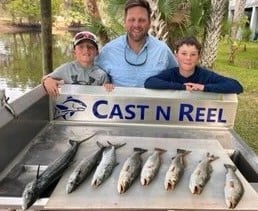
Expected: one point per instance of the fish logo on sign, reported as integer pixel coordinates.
(69, 107)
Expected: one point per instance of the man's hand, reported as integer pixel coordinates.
(194, 87)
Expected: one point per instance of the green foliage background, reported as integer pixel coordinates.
(245, 70)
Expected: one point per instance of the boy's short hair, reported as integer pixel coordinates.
(85, 35)
(140, 3)
(188, 41)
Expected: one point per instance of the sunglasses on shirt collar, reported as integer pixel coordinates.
(141, 59)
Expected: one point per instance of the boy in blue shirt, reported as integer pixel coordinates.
(189, 76)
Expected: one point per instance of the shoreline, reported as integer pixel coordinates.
(7, 27)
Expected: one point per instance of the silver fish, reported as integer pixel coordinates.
(84, 168)
(4, 102)
(106, 165)
(151, 166)
(53, 172)
(201, 174)
(233, 189)
(175, 170)
(130, 170)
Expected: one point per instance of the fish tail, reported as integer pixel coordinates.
(86, 139)
(100, 145)
(183, 151)
(116, 145)
(211, 157)
(10, 109)
(229, 166)
(140, 150)
(160, 150)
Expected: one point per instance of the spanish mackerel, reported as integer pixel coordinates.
(106, 165)
(175, 170)
(201, 174)
(233, 189)
(151, 166)
(53, 172)
(130, 170)
(84, 168)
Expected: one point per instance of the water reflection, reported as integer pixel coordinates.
(21, 60)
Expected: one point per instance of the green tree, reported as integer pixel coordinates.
(24, 9)
(212, 32)
(27, 11)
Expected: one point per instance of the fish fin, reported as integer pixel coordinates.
(173, 169)
(61, 107)
(198, 172)
(127, 168)
(69, 97)
(231, 184)
(37, 176)
(210, 169)
(72, 142)
(181, 159)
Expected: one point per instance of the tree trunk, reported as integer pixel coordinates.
(93, 11)
(46, 31)
(212, 33)
(158, 27)
(238, 15)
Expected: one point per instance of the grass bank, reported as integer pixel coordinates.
(245, 70)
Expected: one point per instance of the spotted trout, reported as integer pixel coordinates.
(84, 168)
(175, 170)
(201, 174)
(106, 165)
(130, 170)
(233, 189)
(53, 172)
(151, 166)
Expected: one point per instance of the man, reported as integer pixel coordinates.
(131, 58)
(80, 71)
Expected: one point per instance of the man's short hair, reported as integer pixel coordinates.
(140, 3)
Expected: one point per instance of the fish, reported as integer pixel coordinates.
(53, 172)
(151, 166)
(175, 170)
(106, 165)
(130, 170)
(201, 174)
(233, 189)
(69, 107)
(84, 168)
(5, 104)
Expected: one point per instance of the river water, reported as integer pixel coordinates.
(21, 66)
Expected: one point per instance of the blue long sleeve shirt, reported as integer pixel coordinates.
(213, 82)
(129, 69)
